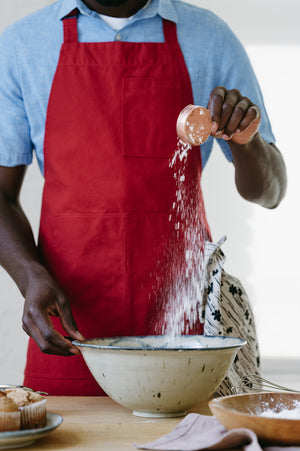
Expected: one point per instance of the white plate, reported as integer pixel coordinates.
(17, 439)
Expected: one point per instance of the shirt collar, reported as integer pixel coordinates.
(163, 8)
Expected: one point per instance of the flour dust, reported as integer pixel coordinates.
(281, 411)
(185, 272)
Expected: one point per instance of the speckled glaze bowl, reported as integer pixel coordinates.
(157, 376)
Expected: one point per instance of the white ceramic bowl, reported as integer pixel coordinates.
(156, 376)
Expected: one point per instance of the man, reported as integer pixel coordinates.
(100, 114)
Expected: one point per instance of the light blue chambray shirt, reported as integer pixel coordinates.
(29, 51)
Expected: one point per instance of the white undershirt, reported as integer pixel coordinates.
(116, 23)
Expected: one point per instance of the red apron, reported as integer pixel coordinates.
(110, 133)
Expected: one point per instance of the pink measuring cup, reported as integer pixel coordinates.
(194, 125)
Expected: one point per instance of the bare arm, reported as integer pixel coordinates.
(19, 257)
(260, 172)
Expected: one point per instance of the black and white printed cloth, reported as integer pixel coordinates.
(227, 311)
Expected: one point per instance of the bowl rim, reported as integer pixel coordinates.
(239, 342)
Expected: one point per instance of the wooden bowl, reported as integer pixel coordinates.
(245, 411)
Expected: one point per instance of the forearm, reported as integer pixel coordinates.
(18, 251)
(19, 256)
(260, 172)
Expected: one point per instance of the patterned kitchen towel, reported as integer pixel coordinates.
(227, 311)
(198, 432)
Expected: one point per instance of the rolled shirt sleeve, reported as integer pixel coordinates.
(239, 74)
(15, 144)
(216, 57)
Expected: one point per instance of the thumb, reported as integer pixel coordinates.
(246, 135)
(68, 322)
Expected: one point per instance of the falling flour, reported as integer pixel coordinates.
(185, 275)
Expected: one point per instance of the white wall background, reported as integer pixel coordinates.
(262, 245)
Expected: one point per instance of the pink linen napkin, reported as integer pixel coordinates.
(198, 432)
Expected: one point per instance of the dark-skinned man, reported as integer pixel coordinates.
(94, 88)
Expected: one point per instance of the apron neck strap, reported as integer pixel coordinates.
(170, 32)
(70, 27)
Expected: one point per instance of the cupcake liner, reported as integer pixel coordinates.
(34, 415)
(10, 421)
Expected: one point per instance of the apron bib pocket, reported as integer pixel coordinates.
(146, 131)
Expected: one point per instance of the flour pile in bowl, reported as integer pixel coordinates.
(282, 412)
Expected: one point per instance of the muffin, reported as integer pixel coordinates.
(10, 416)
(31, 405)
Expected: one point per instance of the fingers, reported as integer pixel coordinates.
(234, 117)
(42, 302)
(49, 340)
(68, 321)
(214, 106)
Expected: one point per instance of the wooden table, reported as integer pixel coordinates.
(98, 423)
